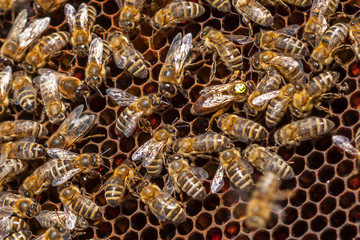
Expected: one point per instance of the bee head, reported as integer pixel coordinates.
(277, 137)
(143, 184)
(28, 207)
(315, 66)
(173, 158)
(167, 89)
(126, 24)
(57, 118)
(28, 67)
(249, 149)
(93, 81)
(205, 31)
(81, 50)
(255, 221)
(131, 164)
(82, 91)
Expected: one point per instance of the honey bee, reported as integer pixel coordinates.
(95, 72)
(282, 40)
(254, 11)
(163, 206)
(20, 235)
(304, 101)
(12, 130)
(257, 101)
(185, 177)
(10, 169)
(241, 129)
(70, 87)
(221, 5)
(20, 38)
(126, 56)
(220, 97)
(174, 13)
(214, 41)
(137, 109)
(171, 74)
(23, 150)
(323, 53)
(205, 143)
(237, 170)
(152, 152)
(18, 205)
(13, 227)
(294, 133)
(80, 24)
(262, 202)
(123, 177)
(345, 144)
(299, 3)
(55, 233)
(65, 219)
(354, 34)
(130, 14)
(81, 205)
(279, 105)
(5, 83)
(317, 23)
(24, 93)
(6, 5)
(44, 49)
(267, 161)
(72, 129)
(54, 106)
(285, 64)
(64, 166)
(50, 6)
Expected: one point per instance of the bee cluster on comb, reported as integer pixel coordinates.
(182, 119)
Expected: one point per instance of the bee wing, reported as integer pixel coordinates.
(19, 25)
(49, 89)
(137, 3)
(279, 106)
(96, 51)
(216, 100)
(82, 15)
(5, 82)
(290, 30)
(345, 144)
(215, 88)
(3, 157)
(169, 187)
(72, 117)
(58, 180)
(148, 151)
(6, 211)
(121, 97)
(78, 128)
(240, 39)
(264, 99)
(321, 26)
(132, 123)
(246, 165)
(33, 31)
(178, 51)
(7, 167)
(59, 153)
(218, 180)
(199, 172)
(70, 16)
(70, 221)
(159, 214)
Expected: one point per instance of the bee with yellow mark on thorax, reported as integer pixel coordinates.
(21, 206)
(24, 92)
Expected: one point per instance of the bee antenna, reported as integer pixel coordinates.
(102, 154)
(175, 120)
(93, 227)
(85, 100)
(97, 88)
(105, 166)
(152, 34)
(72, 60)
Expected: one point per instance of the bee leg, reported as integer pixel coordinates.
(329, 96)
(248, 24)
(145, 125)
(284, 6)
(213, 67)
(218, 113)
(98, 29)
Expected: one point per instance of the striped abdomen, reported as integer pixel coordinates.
(290, 69)
(209, 142)
(278, 166)
(83, 206)
(155, 167)
(254, 11)
(190, 184)
(17, 224)
(288, 44)
(300, 3)
(273, 114)
(134, 62)
(38, 181)
(123, 119)
(24, 92)
(182, 11)
(270, 82)
(60, 167)
(230, 55)
(52, 43)
(14, 167)
(312, 127)
(221, 5)
(26, 128)
(171, 209)
(91, 16)
(114, 190)
(24, 150)
(239, 176)
(322, 83)
(20, 235)
(106, 51)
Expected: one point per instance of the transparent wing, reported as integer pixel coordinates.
(169, 187)
(59, 153)
(264, 99)
(120, 4)
(33, 31)
(72, 117)
(246, 166)
(159, 214)
(148, 151)
(178, 51)
(70, 16)
(81, 17)
(77, 129)
(120, 60)
(321, 26)
(279, 106)
(290, 30)
(49, 89)
(345, 144)
(218, 180)
(6, 211)
(215, 88)
(5, 81)
(3, 157)
(217, 100)
(121, 97)
(132, 123)
(64, 177)
(6, 168)
(96, 51)
(70, 221)
(199, 172)
(240, 39)
(19, 25)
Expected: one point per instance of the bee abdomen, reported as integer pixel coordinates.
(85, 207)
(106, 51)
(186, 10)
(221, 5)
(134, 64)
(17, 224)
(28, 150)
(27, 98)
(322, 83)
(123, 119)
(54, 43)
(61, 168)
(210, 142)
(21, 235)
(114, 191)
(280, 168)
(231, 56)
(198, 109)
(291, 45)
(191, 185)
(239, 177)
(91, 15)
(155, 167)
(173, 211)
(272, 117)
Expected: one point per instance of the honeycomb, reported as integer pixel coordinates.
(325, 203)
